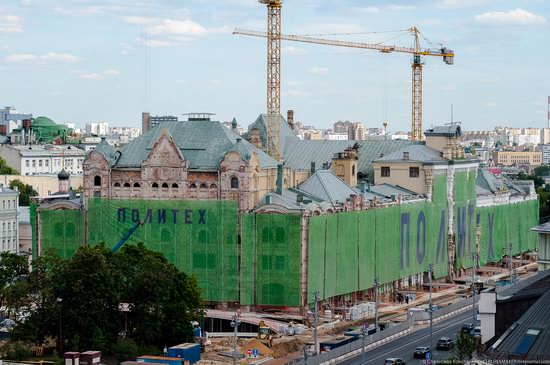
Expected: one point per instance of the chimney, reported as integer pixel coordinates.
(145, 122)
(362, 187)
(280, 179)
(299, 198)
(290, 118)
(368, 186)
(406, 155)
(312, 167)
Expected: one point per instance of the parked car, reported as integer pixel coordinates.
(444, 343)
(420, 352)
(477, 332)
(467, 328)
(394, 361)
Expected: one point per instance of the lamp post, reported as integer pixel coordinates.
(376, 283)
(474, 268)
(315, 320)
(430, 310)
(510, 263)
(60, 304)
(363, 337)
(235, 324)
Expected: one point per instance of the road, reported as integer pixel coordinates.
(403, 347)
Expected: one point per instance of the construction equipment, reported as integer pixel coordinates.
(126, 236)
(273, 36)
(417, 51)
(265, 334)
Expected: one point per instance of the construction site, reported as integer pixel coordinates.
(279, 228)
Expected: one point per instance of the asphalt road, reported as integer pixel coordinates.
(403, 347)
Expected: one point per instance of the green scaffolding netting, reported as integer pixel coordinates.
(464, 217)
(62, 231)
(198, 237)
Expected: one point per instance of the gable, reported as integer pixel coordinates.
(165, 152)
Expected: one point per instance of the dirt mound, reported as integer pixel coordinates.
(258, 345)
(287, 347)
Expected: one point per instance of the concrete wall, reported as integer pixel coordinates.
(43, 184)
(399, 175)
(487, 311)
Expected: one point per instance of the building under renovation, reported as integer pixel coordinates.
(335, 216)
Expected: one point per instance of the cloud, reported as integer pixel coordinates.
(136, 20)
(293, 51)
(10, 24)
(491, 105)
(296, 93)
(87, 10)
(178, 27)
(34, 58)
(97, 76)
(371, 9)
(453, 4)
(26, 2)
(111, 72)
(294, 83)
(512, 17)
(319, 70)
(397, 7)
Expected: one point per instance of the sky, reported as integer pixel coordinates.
(108, 60)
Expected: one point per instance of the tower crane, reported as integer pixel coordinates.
(273, 36)
(417, 51)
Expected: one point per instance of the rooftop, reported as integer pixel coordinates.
(416, 152)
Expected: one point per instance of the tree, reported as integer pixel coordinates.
(5, 169)
(543, 170)
(12, 268)
(77, 300)
(465, 346)
(26, 191)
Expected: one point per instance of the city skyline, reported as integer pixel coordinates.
(82, 61)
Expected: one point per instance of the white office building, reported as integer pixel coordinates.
(9, 232)
(43, 159)
(98, 129)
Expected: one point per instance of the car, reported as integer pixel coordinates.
(394, 361)
(467, 328)
(444, 343)
(476, 332)
(420, 352)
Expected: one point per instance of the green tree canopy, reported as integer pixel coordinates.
(26, 191)
(79, 300)
(543, 170)
(5, 169)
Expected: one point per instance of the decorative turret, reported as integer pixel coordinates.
(63, 178)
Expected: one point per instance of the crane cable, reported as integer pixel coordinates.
(146, 11)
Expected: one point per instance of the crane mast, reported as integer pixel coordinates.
(416, 124)
(273, 77)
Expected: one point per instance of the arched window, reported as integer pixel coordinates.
(193, 186)
(97, 180)
(117, 185)
(203, 186)
(175, 186)
(155, 186)
(234, 183)
(165, 186)
(136, 185)
(127, 185)
(213, 186)
(353, 170)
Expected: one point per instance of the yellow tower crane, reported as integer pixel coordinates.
(417, 51)
(273, 36)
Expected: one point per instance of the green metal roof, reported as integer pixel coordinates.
(45, 122)
(261, 124)
(327, 186)
(203, 144)
(418, 152)
(107, 150)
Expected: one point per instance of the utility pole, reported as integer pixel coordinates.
(376, 283)
(364, 336)
(474, 288)
(235, 324)
(510, 264)
(315, 320)
(430, 270)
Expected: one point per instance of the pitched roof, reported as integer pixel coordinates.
(327, 186)
(107, 150)
(203, 143)
(300, 154)
(451, 130)
(529, 337)
(417, 152)
(261, 124)
(388, 190)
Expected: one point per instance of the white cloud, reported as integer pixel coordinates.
(453, 4)
(491, 105)
(136, 20)
(178, 27)
(397, 7)
(181, 82)
(294, 83)
(319, 70)
(111, 72)
(26, 2)
(34, 58)
(296, 93)
(293, 51)
(371, 9)
(87, 10)
(512, 17)
(214, 82)
(10, 24)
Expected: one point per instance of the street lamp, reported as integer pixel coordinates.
(315, 320)
(363, 337)
(376, 283)
(474, 268)
(430, 310)
(60, 303)
(510, 263)
(235, 324)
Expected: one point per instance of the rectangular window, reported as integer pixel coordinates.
(414, 171)
(33, 163)
(46, 163)
(27, 163)
(385, 171)
(39, 163)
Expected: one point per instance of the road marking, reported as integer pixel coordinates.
(408, 344)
